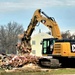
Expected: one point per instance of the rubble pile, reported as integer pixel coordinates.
(24, 45)
(22, 49)
(17, 61)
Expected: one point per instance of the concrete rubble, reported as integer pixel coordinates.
(23, 57)
(16, 61)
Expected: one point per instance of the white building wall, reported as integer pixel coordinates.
(35, 42)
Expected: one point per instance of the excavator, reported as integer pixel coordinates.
(61, 50)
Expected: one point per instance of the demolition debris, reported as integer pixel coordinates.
(16, 61)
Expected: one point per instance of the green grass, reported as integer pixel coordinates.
(26, 73)
(63, 71)
(33, 72)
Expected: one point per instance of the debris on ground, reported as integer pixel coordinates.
(16, 61)
(29, 68)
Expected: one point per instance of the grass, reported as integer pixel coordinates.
(38, 72)
(63, 71)
(26, 73)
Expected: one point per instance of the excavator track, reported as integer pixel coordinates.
(49, 63)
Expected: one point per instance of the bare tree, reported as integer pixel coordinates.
(8, 37)
(66, 35)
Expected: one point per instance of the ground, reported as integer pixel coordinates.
(32, 69)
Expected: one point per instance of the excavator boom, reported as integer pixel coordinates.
(49, 22)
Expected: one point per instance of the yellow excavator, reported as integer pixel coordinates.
(61, 50)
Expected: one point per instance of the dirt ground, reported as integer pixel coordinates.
(35, 69)
(29, 67)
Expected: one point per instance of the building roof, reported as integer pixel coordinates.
(42, 35)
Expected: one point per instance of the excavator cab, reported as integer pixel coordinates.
(47, 46)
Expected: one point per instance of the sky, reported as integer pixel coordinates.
(21, 11)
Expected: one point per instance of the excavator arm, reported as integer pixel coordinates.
(49, 22)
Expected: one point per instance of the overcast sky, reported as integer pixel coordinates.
(21, 11)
